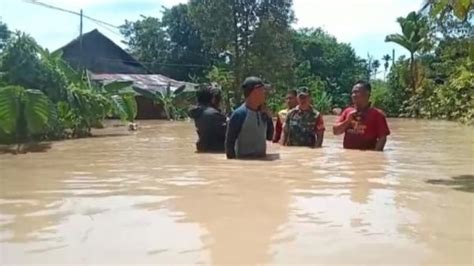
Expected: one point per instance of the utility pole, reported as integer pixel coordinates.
(80, 40)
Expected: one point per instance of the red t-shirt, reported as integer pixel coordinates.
(363, 133)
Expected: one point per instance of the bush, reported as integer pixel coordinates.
(322, 101)
(385, 99)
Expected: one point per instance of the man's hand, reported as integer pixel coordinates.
(341, 127)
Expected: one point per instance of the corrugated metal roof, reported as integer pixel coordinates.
(153, 82)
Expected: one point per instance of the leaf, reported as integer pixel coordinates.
(180, 89)
(400, 40)
(132, 108)
(119, 106)
(9, 108)
(146, 93)
(57, 55)
(461, 8)
(116, 86)
(37, 111)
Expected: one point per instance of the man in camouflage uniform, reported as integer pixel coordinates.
(304, 125)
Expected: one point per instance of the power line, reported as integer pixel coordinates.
(35, 2)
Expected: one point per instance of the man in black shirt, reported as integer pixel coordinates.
(210, 123)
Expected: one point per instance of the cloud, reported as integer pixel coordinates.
(364, 23)
(351, 19)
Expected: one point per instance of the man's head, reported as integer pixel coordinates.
(361, 94)
(304, 98)
(254, 90)
(209, 96)
(290, 99)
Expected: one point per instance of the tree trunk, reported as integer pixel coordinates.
(413, 73)
(237, 59)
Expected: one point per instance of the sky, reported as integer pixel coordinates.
(362, 23)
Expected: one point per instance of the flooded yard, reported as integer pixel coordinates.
(148, 198)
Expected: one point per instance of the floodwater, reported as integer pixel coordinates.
(147, 198)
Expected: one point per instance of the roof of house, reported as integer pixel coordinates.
(153, 82)
(100, 55)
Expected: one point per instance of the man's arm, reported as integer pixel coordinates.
(233, 131)
(380, 145)
(270, 128)
(278, 130)
(382, 132)
(343, 123)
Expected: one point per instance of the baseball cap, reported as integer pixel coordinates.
(252, 83)
(303, 92)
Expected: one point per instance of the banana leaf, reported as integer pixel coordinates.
(37, 111)
(9, 108)
(117, 86)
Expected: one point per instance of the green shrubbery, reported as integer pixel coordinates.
(41, 97)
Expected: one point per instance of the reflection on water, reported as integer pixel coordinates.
(146, 197)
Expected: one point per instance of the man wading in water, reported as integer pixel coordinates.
(249, 126)
(304, 125)
(210, 122)
(364, 127)
(291, 103)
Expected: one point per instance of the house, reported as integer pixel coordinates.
(107, 62)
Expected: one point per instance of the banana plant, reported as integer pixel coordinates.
(167, 98)
(123, 100)
(24, 112)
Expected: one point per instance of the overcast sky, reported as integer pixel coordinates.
(363, 23)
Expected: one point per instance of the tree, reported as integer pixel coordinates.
(187, 54)
(375, 67)
(440, 8)
(413, 38)
(171, 46)
(26, 64)
(249, 31)
(386, 58)
(4, 35)
(320, 56)
(147, 40)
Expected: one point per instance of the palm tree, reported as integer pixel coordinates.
(386, 58)
(413, 38)
(375, 67)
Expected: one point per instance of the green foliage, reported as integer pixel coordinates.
(167, 98)
(384, 98)
(253, 35)
(225, 79)
(24, 113)
(4, 35)
(171, 46)
(26, 64)
(322, 100)
(414, 38)
(320, 56)
(440, 8)
(453, 100)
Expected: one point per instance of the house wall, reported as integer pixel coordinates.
(147, 109)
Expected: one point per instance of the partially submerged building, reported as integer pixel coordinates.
(107, 62)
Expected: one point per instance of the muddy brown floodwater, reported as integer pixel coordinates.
(147, 198)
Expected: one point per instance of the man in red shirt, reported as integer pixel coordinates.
(364, 127)
(291, 103)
